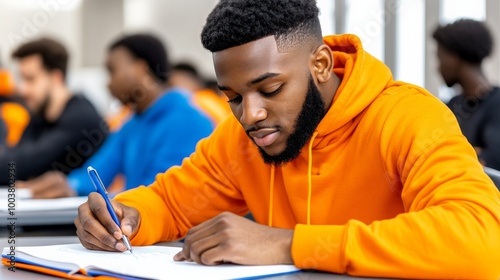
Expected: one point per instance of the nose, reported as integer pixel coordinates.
(253, 110)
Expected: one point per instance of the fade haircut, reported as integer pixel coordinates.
(236, 22)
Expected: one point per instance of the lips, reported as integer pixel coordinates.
(264, 137)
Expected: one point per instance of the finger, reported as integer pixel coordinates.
(180, 257)
(51, 191)
(130, 221)
(46, 186)
(88, 222)
(100, 211)
(203, 231)
(209, 222)
(217, 255)
(201, 246)
(38, 188)
(88, 240)
(21, 184)
(57, 188)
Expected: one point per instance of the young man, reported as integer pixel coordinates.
(344, 169)
(462, 46)
(163, 131)
(56, 137)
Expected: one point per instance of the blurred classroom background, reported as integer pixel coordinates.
(398, 32)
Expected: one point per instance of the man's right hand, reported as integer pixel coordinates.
(97, 230)
(51, 184)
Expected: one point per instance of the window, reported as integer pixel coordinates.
(410, 44)
(452, 10)
(365, 18)
(326, 16)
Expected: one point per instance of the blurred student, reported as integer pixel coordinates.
(14, 116)
(462, 46)
(57, 136)
(344, 169)
(186, 76)
(3, 135)
(163, 131)
(211, 83)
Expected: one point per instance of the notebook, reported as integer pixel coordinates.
(73, 261)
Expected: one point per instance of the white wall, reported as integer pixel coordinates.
(178, 23)
(21, 21)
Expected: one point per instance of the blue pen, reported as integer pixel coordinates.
(99, 187)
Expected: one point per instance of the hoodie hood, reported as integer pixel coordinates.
(358, 87)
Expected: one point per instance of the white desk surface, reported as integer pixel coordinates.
(6, 274)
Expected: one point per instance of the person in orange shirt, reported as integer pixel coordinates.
(14, 116)
(344, 169)
(185, 75)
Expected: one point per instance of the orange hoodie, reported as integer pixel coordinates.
(212, 105)
(15, 116)
(387, 187)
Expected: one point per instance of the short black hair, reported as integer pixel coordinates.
(54, 55)
(469, 39)
(236, 22)
(187, 68)
(148, 48)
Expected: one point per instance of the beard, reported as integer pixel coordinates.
(41, 110)
(307, 121)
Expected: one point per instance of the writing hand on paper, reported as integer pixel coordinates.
(52, 184)
(231, 238)
(97, 230)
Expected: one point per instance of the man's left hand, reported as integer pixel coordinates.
(229, 238)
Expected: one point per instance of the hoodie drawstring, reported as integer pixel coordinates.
(309, 178)
(309, 185)
(271, 196)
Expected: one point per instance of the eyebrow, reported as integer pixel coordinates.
(262, 78)
(254, 81)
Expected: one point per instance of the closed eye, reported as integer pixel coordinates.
(235, 100)
(272, 93)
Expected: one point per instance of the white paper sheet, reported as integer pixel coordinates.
(155, 262)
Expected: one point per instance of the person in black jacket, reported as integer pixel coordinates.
(462, 46)
(65, 129)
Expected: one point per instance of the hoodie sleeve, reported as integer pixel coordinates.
(451, 227)
(187, 195)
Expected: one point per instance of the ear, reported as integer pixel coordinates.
(322, 64)
(141, 68)
(57, 76)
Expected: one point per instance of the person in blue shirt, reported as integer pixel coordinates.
(163, 130)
